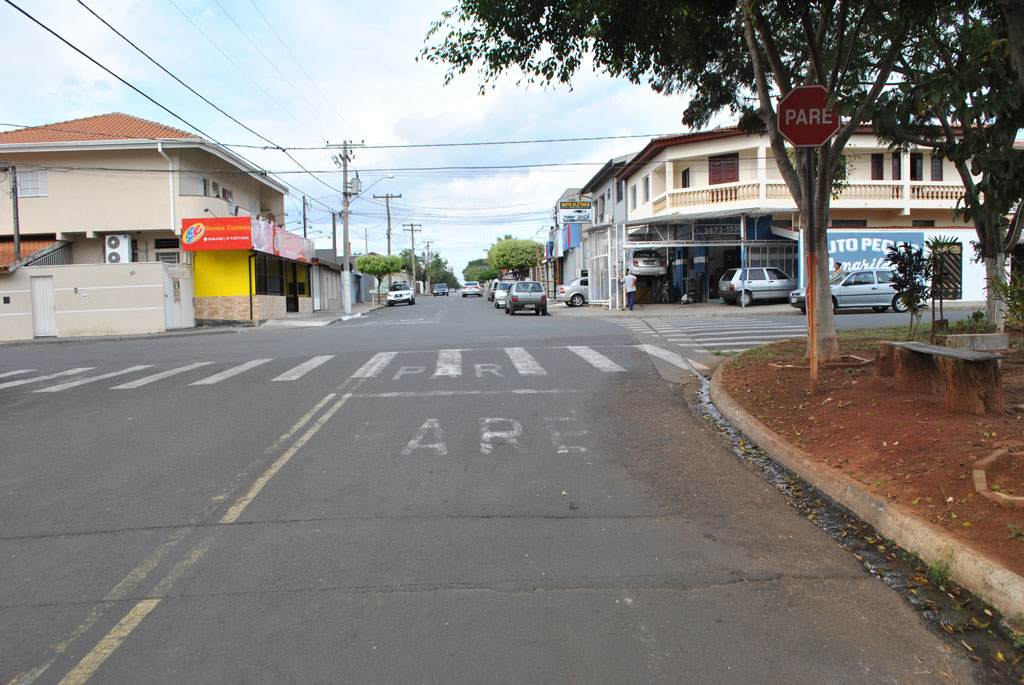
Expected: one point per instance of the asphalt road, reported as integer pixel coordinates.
(437, 492)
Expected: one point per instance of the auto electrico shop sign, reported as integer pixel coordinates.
(216, 233)
(856, 250)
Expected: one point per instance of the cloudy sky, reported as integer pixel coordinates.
(310, 72)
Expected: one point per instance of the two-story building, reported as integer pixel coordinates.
(713, 200)
(101, 205)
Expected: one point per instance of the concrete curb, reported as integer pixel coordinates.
(998, 585)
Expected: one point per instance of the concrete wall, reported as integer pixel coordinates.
(89, 299)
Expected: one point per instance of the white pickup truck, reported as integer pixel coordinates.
(526, 295)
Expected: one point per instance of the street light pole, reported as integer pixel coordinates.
(413, 230)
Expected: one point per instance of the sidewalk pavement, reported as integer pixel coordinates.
(320, 318)
(704, 309)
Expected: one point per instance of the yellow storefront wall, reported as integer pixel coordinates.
(221, 273)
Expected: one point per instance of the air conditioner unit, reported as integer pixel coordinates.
(117, 249)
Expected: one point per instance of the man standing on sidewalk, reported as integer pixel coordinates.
(629, 283)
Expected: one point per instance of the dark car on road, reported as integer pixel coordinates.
(441, 289)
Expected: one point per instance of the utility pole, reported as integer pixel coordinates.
(342, 160)
(14, 203)
(413, 230)
(388, 197)
(304, 216)
(426, 277)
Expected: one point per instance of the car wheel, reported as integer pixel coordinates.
(835, 305)
(497, 306)
(803, 310)
(536, 312)
(544, 311)
(745, 299)
(463, 295)
(879, 309)
(412, 301)
(576, 300)
(898, 305)
(390, 303)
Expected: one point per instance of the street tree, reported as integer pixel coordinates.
(378, 266)
(738, 57)
(957, 96)
(474, 269)
(514, 255)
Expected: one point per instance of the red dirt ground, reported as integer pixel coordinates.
(905, 447)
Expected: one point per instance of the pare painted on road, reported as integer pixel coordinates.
(500, 433)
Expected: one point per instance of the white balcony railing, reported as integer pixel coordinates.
(884, 194)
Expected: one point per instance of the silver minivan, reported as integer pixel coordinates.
(865, 288)
(744, 286)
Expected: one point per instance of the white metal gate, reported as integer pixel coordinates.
(44, 309)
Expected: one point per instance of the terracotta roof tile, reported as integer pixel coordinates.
(29, 246)
(114, 126)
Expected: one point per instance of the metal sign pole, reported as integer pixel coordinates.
(812, 266)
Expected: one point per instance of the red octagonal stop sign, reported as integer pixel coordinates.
(805, 118)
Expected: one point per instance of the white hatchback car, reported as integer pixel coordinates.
(499, 293)
(401, 292)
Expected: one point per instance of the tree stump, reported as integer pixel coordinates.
(885, 359)
(916, 372)
(972, 387)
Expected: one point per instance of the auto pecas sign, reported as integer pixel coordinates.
(865, 250)
(216, 233)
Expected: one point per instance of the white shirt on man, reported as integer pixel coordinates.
(629, 281)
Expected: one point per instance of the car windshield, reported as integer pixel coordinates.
(504, 286)
(400, 286)
(441, 286)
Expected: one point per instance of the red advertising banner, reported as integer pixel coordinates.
(244, 233)
(216, 233)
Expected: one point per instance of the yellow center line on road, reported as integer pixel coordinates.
(113, 639)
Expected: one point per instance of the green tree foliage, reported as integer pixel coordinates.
(958, 97)
(515, 256)
(910, 277)
(740, 56)
(378, 266)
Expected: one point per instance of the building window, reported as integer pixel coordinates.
(936, 167)
(877, 166)
(620, 191)
(897, 167)
(632, 196)
(168, 257)
(165, 243)
(724, 169)
(647, 189)
(849, 223)
(269, 276)
(33, 183)
(684, 182)
(916, 166)
(923, 223)
(227, 195)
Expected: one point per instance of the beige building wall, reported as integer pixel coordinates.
(89, 299)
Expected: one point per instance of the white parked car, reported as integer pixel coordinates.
(401, 292)
(499, 293)
(866, 288)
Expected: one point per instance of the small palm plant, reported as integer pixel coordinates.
(911, 276)
(940, 248)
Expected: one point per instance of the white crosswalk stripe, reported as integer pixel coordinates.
(37, 379)
(524, 362)
(159, 376)
(234, 371)
(449, 363)
(377, 363)
(684, 363)
(16, 373)
(304, 368)
(595, 358)
(93, 379)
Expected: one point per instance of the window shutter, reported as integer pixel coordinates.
(936, 168)
(33, 183)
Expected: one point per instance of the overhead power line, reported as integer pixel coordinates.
(148, 97)
(246, 75)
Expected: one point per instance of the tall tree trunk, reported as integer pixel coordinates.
(995, 308)
(826, 337)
